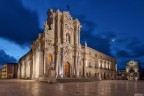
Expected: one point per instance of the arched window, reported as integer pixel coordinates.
(68, 38)
(50, 58)
(90, 64)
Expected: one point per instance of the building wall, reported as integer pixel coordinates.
(4, 71)
(98, 65)
(0, 73)
(9, 71)
(59, 46)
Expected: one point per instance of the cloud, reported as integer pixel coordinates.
(132, 48)
(123, 53)
(12, 48)
(5, 58)
(124, 48)
(123, 61)
(100, 42)
(17, 23)
(136, 47)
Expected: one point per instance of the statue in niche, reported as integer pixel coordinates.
(50, 11)
(68, 38)
(50, 26)
(51, 66)
(51, 23)
(46, 26)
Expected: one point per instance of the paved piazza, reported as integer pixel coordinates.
(97, 88)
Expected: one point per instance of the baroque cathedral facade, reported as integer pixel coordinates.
(58, 49)
(133, 70)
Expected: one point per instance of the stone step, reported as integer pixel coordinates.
(65, 80)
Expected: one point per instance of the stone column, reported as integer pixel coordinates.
(57, 64)
(110, 65)
(74, 69)
(57, 41)
(21, 70)
(33, 75)
(58, 24)
(78, 36)
(44, 59)
(84, 63)
(31, 68)
(41, 63)
(102, 64)
(18, 72)
(26, 69)
(37, 64)
(45, 62)
(77, 67)
(106, 64)
(62, 64)
(99, 65)
(18, 75)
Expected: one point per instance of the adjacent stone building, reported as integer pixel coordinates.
(58, 52)
(132, 70)
(9, 71)
(0, 73)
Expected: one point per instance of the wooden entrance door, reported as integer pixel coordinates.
(67, 69)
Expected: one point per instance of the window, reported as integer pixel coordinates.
(100, 57)
(90, 64)
(89, 53)
(89, 73)
(96, 65)
(95, 74)
(95, 55)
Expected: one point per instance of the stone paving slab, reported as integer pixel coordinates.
(97, 88)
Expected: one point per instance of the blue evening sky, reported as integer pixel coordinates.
(114, 27)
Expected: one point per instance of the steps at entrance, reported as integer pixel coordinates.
(65, 80)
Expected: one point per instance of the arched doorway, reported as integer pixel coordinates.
(67, 69)
(104, 76)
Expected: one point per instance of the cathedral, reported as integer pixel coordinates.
(57, 53)
(132, 70)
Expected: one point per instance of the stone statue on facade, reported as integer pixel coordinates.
(52, 66)
(46, 27)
